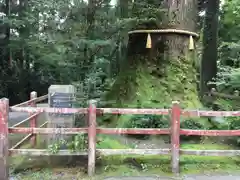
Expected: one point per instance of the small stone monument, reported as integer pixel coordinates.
(60, 96)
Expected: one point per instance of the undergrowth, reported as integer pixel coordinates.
(118, 165)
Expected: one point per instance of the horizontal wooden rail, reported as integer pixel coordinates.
(219, 113)
(50, 110)
(167, 151)
(193, 113)
(85, 110)
(199, 113)
(105, 152)
(45, 152)
(25, 120)
(134, 111)
(190, 132)
(132, 131)
(23, 130)
(210, 152)
(150, 131)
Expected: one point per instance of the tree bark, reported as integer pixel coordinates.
(182, 15)
(122, 46)
(210, 45)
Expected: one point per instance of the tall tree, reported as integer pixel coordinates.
(164, 72)
(210, 45)
(123, 12)
(4, 47)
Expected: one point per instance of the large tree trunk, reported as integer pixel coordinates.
(155, 77)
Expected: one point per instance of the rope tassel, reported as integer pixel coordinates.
(191, 43)
(149, 41)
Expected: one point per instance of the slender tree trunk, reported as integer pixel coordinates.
(121, 55)
(210, 45)
(4, 44)
(88, 54)
(5, 50)
(123, 4)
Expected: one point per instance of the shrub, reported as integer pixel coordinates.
(148, 121)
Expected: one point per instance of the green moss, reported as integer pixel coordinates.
(151, 84)
(148, 83)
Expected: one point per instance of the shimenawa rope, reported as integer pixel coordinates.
(176, 31)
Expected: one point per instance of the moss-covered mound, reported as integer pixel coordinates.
(154, 83)
(150, 85)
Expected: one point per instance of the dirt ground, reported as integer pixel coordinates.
(189, 177)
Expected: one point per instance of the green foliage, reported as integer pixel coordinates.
(229, 123)
(79, 143)
(57, 42)
(147, 14)
(228, 78)
(229, 49)
(149, 121)
(193, 123)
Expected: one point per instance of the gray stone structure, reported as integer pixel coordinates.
(61, 96)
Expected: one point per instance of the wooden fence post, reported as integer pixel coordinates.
(33, 123)
(4, 108)
(175, 136)
(92, 137)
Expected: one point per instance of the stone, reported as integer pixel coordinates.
(61, 96)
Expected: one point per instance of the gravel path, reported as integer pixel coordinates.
(190, 177)
(15, 117)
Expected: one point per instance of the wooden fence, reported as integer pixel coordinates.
(92, 130)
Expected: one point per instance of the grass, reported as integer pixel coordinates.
(111, 142)
(155, 165)
(130, 165)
